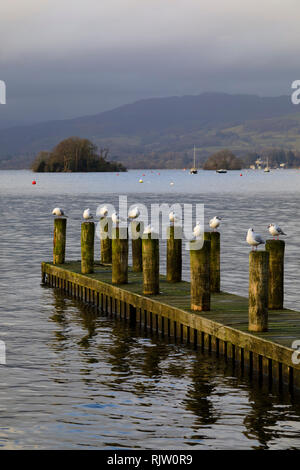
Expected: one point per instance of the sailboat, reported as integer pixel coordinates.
(193, 170)
(267, 168)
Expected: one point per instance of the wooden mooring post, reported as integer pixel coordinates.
(174, 253)
(215, 278)
(215, 271)
(137, 229)
(120, 255)
(276, 249)
(150, 250)
(258, 290)
(59, 240)
(105, 240)
(200, 275)
(87, 247)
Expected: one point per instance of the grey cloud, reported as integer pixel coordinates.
(65, 59)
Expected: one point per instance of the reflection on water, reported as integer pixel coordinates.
(152, 393)
(79, 379)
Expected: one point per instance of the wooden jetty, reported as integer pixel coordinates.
(223, 329)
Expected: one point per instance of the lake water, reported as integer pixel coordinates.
(77, 379)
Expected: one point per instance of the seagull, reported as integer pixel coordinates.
(173, 217)
(148, 230)
(58, 212)
(198, 230)
(102, 212)
(215, 222)
(133, 213)
(275, 230)
(116, 218)
(87, 215)
(254, 239)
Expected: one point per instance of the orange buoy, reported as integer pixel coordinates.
(33, 182)
(241, 174)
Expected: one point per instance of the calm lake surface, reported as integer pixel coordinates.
(77, 379)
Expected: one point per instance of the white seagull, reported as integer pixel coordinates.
(133, 213)
(254, 239)
(102, 212)
(148, 230)
(58, 212)
(116, 218)
(215, 222)
(198, 230)
(173, 217)
(275, 230)
(87, 215)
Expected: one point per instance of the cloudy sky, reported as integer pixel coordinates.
(68, 58)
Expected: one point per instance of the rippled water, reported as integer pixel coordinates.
(77, 379)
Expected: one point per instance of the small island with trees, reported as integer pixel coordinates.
(224, 159)
(75, 155)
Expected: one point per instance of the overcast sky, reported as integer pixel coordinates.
(68, 58)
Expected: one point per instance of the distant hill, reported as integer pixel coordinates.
(161, 132)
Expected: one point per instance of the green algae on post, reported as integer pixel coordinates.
(200, 276)
(174, 254)
(150, 250)
(120, 255)
(59, 240)
(87, 247)
(276, 273)
(258, 290)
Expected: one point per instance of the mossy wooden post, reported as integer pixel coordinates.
(137, 229)
(258, 290)
(59, 240)
(215, 282)
(87, 247)
(276, 249)
(174, 253)
(120, 255)
(200, 276)
(150, 250)
(105, 240)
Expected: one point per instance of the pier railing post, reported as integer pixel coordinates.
(258, 290)
(137, 229)
(59, 240)
(105, 240)
(200, 276)
(174, 253)
(120, 255)
(87, 247)
(276, 249)
(150, 250)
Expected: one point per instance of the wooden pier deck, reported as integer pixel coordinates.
(224, 329)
